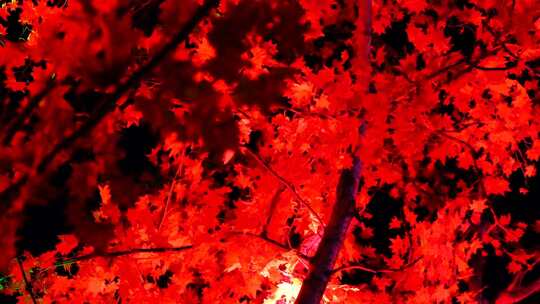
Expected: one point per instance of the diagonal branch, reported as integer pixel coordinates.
(32, 104)
(273, 205)
(285, 183)
(27, 284)
(474, 155)
(356, 267)
(517, 295)
(171, 189)
(109, 103)
(322, 264)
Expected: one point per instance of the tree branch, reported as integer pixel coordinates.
(32, 104)
(114, 254)
(285, 183)
(271, 241)
(110, 103)
(171, 189)
(323, 262)
(273, 204)
(517, 295)
(474, 155)
(27, 284)
(371, 270)
(509, 66)
(10, 193)
(355, 267)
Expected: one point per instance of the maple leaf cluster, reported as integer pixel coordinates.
(189, 151)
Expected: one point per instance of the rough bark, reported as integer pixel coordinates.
(323, 262)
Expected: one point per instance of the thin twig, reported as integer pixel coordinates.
(494, 68)
(509, 52)
(357, 214)
(519, 294)
(444, 69)
(466, 144)
(173, 183)
(474, 154)
(458, 63)
(114, 254)
(371, 270)
(273, 204)
(32, 104)
(355, 267)
(27, 284)
(269, 240)
(285, 183)
(310, 113)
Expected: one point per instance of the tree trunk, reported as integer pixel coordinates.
(323, 262)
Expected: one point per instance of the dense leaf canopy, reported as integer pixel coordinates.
(189, 151)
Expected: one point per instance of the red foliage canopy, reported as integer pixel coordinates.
(189, 151)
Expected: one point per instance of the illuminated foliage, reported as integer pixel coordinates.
(175, 151)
